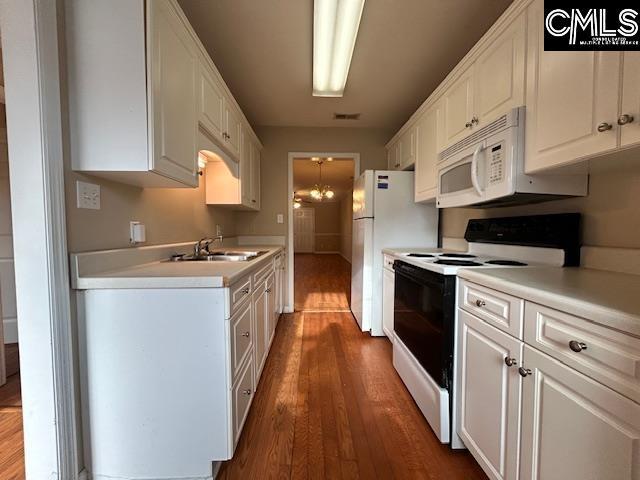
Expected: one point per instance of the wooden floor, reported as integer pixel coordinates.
(11, 442)
(322, 282)
(330, 405)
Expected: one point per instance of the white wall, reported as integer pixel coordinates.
(346, 225)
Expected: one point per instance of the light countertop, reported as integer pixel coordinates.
(608, 298)
(167, 274)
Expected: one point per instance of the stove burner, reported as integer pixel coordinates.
(420, 255)
(513, 263)
(458, 263)
(457, 255)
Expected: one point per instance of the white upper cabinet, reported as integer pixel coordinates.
(499, 74)
(139, 90)
(572, 101)
(629, 118)
(245, 170)
(211, 112)
(429, 130)
(173, 67)
(255, 177)
(458, 108)
(574, 427)
(408, 149)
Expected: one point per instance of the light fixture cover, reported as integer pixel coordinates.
(335, 29)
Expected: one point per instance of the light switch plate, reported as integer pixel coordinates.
(88, 195)
(280, 218)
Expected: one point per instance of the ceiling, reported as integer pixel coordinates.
(405, 48)
(338, 174)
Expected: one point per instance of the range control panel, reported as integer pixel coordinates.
(496, 164)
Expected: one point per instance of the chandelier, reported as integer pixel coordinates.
(320, 191)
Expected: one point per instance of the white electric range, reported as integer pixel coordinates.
(424, 299)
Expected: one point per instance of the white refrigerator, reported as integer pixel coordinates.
(385, 215)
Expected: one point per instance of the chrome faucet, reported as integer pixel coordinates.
(202, 247)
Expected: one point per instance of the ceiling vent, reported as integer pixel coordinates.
(346, 116)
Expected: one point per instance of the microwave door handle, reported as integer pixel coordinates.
(474, 169)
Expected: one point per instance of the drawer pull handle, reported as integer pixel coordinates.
(247, 391)
(577, 346)
(510, 362)
(245, 334)
(480, 303)
(524, 372)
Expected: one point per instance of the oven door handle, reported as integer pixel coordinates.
(474, 169)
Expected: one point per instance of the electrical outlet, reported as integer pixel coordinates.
(280, 218)
(218, 230)
(88, 195)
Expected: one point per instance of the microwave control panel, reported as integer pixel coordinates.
(496, 164)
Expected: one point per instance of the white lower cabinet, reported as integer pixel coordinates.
(489, 395)
(259, 301)
(241, 395)
(525, 414)
(388, 291)
(575, 427)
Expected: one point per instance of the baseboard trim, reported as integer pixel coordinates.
(83, 475)
(10, 326)
(328, 252)
(344, 256)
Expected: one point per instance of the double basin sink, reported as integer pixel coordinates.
(220, 256)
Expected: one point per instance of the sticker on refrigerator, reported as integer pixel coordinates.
(383, 182)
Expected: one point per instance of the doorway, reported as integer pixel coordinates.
(320, 224)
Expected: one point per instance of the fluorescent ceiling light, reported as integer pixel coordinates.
(335, 28)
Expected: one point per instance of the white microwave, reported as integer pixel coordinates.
(486, 168)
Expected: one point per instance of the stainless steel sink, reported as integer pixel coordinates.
(220, 256)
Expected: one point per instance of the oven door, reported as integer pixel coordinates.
(461, 178)
(423, 318)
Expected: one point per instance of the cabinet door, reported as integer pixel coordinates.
(255, 177)
(499, 74)
(458, 108)
(429, 143)
(630, 128)
(489, 396)
(233, 129)
(408, 149)
(173, 70)
(388, 284)
(271, 307)
(245, 170)
(574, 427)
(570, 96)
(394, 155)
(211, 112)
(259, 301)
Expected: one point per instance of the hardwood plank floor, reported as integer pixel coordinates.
(11, 438)
(322, 282)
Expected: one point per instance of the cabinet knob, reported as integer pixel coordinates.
(524, 372)
(604, 126)
(577, 346)
(268, 290)
(480, 303)
(624, 119)
(468, 125)
(245, 291)
(247, 391)
(510, 362)
(474, 120)
(245, 334)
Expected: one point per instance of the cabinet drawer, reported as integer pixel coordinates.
(241, 397)
(388, 262)
(261, 274)
(606, 355)
(497, 308)
(241, 337)
(239, 292)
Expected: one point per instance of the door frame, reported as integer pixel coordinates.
(313, 240)
(30, 47)
(290, 302)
